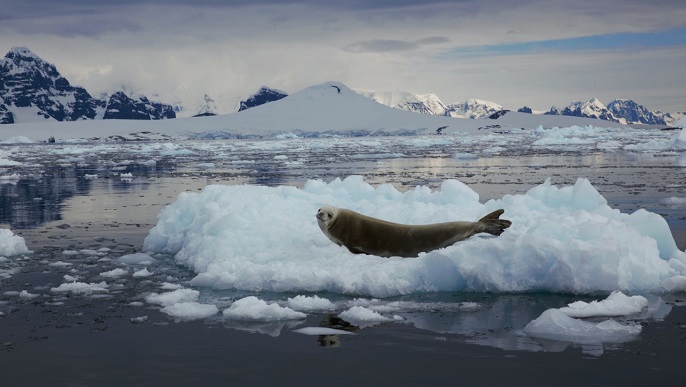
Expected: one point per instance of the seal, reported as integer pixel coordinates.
(363, 234)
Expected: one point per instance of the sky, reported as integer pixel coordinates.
(536, 53)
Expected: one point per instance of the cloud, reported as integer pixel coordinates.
(381, 45)
(614, 41)
(390, 45)
(458, 49)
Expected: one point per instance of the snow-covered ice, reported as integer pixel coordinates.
(616, 304)
(363, 317)
(310, 304)
(173, 297)
(555, 325)
(190, 310)
(11, 244)
(82, 288)
(115, 273)
(252, 308)
(142, 273)
(565, 323)
(563, 239)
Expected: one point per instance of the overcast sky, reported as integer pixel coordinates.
(537, 53)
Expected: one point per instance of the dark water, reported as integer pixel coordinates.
(56, 203)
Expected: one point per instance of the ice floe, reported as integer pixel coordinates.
(563, 239)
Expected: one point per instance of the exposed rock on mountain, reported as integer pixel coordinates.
(263, 95)
(121, 106)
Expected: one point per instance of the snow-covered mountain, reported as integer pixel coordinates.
(592, 108)
(632, 112)
(123, 107)
(263, 95)
(418, 103)
(623, 111)
(473, 108)
(207, 108)
(431, 104)
(32, 89)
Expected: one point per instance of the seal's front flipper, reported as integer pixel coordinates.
(492, 224)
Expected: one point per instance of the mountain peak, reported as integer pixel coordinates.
(22, 52)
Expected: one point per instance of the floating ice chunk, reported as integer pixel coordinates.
(142, 273)
(190, 310)
(59, 264)
(81, 288)
(617, 304)
(310, 304)
(319, 331)
(25, 295)
(553, 324)
(173, 297)
(136, 259)
(11, 244)
(170, 286)
(253, 309)
(114, 273)
(139, 320)
(363, 317)
(90, 252)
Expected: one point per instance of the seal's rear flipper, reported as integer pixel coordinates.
(492, 224)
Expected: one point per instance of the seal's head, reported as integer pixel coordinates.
(326, 215)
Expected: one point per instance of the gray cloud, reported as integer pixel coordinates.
(381, 45)
(392, 45)
(185, 48)
(434, 40)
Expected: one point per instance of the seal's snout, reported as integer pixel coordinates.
(325, 214)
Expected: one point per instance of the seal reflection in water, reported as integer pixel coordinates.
(363, 234)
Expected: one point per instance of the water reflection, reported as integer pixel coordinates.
(29, 202)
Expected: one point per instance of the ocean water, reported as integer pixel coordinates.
(81, 207)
